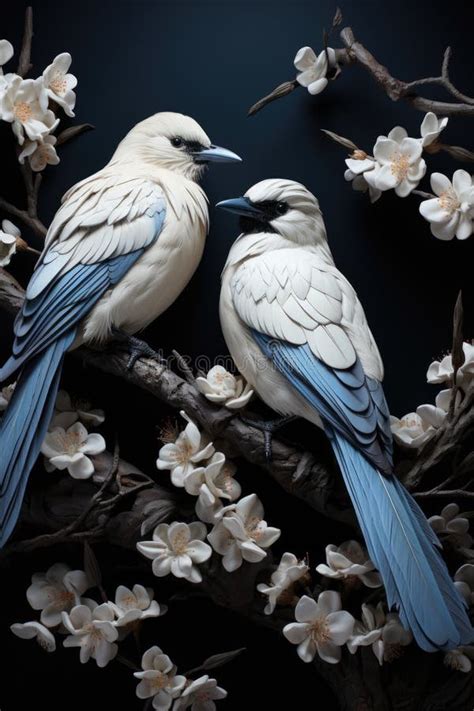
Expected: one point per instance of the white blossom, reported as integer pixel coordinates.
(39, 154)
(210, 484)
(464, 582)
(459, 659)
(443, 372)
(67, 412)
(187, 450)
(314, 68)
(59, 84)
(133, 605)
(434, 415)
(6, 53)
(399, 164)
(451, 525)
(282, 581)
(358, 164)
(92, 629)
(35, 630)
(451, 212)
(242, 534)
(6, 395)
(177, 548)
(384, 633)
(222, 387)
(321, 627)
(24, 104)
(9, 235)
(57, 590)
(159, 680)
(68, 449)
(200, 694)
(411, 430)
(349, 561)
(431, 128)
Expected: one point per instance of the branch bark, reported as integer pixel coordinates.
(293, 468)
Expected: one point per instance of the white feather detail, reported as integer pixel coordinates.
(295, 295)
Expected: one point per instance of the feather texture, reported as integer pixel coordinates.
(297, 296)
(24, 425)
(398, 537)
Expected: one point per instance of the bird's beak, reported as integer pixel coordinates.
(241, 206)
(216, 154)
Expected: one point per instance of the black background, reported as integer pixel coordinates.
(212, 60)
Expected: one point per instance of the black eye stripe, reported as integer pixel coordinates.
(273, 208)
(189, 146)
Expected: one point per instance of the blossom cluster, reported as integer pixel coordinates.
(29, 105)
(415, 429)
(97, 628)
(239, 531)
(397, 164)
(68, 445)
(397, 161)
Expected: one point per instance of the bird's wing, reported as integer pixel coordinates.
(96, 236)
(307, 319)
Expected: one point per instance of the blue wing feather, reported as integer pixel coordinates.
(346, 399)
(56, 301)
(399, 539)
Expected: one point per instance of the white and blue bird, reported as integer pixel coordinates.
(121, 248)
(298, 333)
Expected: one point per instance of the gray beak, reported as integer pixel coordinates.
(216, 154)
(241, 206)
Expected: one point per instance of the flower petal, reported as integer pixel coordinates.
(307, 609)
(305, 58)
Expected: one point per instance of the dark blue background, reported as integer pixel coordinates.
(212, 60)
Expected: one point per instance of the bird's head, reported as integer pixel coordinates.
(175, 142)
(280, 206)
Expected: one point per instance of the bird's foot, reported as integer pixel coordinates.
(268, 428)
(136, 348)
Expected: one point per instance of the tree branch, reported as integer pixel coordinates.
(33, 223)
(293, 468)
(396, 89)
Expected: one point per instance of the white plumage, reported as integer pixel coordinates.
(113, 212)
(298, 333)
(284, 283)
(121, 248)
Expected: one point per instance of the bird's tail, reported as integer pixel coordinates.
(403, 546)
(23, 427)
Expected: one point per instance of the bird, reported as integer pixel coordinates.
(120, 249)
(299, 335)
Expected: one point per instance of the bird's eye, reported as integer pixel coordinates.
(177, 142)
(281, 208)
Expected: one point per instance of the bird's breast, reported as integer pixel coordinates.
(152, 284)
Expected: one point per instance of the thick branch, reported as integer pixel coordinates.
(293, 468)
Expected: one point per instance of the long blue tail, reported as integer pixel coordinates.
(402, 545)
(24, 425)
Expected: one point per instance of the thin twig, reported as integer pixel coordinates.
(443, 80)
(457, 352)
(184, 367)
(32, 222)
(24, 63)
